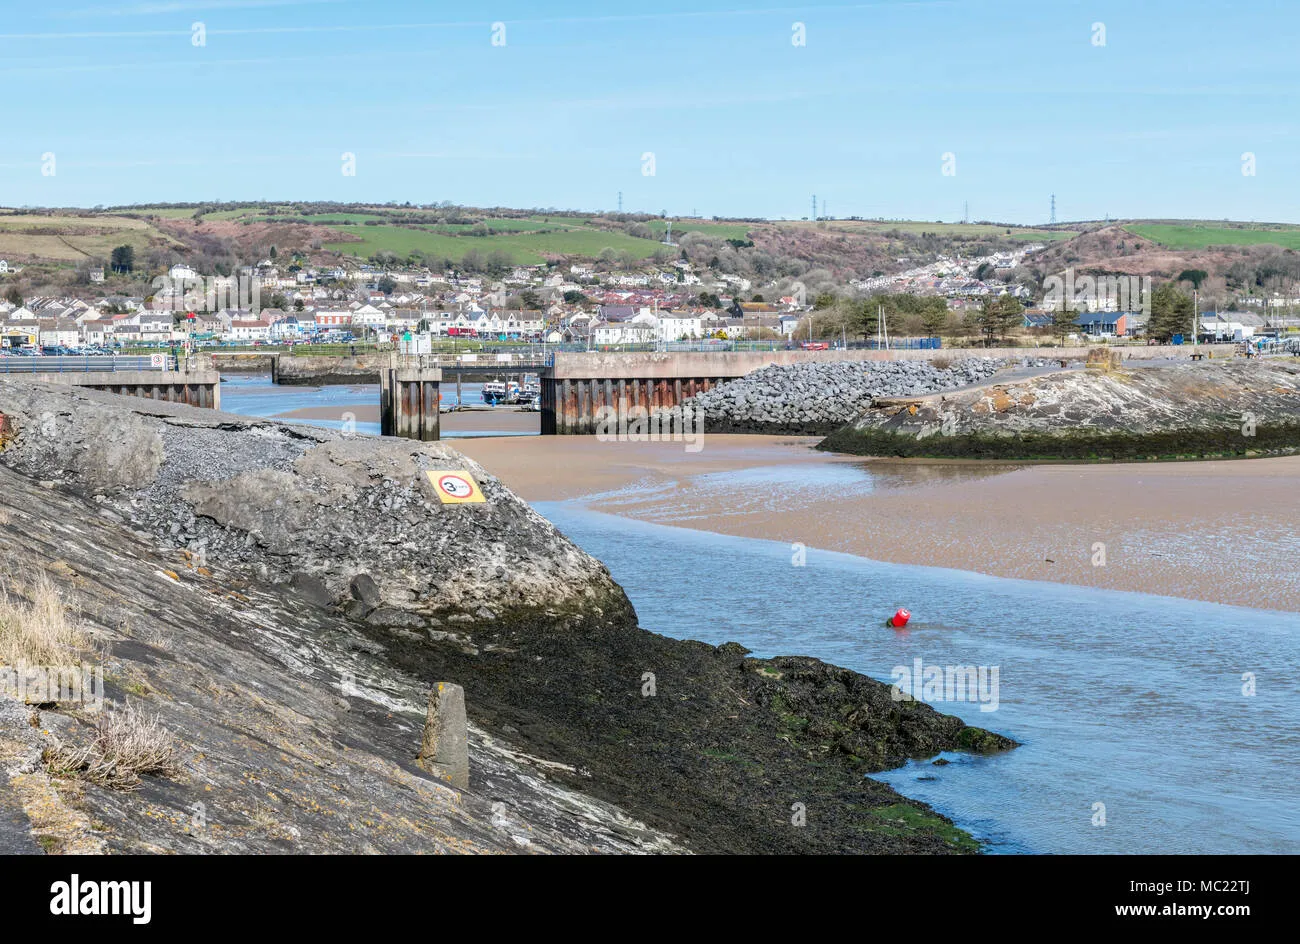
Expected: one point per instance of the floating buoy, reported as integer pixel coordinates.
(899, 619)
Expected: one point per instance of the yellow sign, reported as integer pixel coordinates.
(455, 487)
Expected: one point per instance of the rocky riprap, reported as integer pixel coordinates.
(1234, 407)
(817, 398)
(282, 598)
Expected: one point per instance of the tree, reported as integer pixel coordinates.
(1063, 319)
(123, 258)
(997, 315)
(386, 285)
(14, 297)
(1171, 313)
(272, 254)
(864, 317)
(574, 297)
(1195, 276)
(934, 320)
(531, 300)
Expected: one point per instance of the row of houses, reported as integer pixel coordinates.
(1223, 325)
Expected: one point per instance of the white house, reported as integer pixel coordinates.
(97, 333)
(677, 327)
(369, 316)
(60, 331)
(639, 329)
(256, 330)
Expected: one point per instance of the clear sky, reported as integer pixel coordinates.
(741, 121)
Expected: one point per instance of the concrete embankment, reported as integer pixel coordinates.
(319, 369)
(284, 599)
(1186, 410)
(242, 363)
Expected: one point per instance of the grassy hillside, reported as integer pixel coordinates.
(522, 246)
(1200, 235)
(961, 230)
(72, 239)
(721, 230)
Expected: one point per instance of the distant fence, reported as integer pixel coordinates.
(85, 364)
(898, 344)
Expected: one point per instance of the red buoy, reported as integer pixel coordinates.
(899, 619)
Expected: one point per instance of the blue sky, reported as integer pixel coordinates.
(741, 121)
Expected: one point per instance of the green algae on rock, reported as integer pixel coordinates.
(1234, 408)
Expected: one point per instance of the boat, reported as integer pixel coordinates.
(494, 391)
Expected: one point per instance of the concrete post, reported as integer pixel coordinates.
(444, 750)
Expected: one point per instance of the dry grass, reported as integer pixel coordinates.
(38, 630)
(127, 745)
(4, 517)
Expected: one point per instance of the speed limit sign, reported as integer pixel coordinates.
(454, 487)
(158, 361)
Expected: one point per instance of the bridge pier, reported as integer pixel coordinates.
(574, 406)
(409, 399)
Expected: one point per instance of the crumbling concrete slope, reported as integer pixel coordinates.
(295, 734)
(1213, 408)
(284, 598)
(323, 506)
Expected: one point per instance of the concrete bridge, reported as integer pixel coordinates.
(320, 369)
(195, 382)
(578, 386)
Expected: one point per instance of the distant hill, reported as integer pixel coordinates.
(1234, 257)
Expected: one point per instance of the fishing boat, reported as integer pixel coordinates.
(494, 391)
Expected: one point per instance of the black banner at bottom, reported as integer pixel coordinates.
(218, 894)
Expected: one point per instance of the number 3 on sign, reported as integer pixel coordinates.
(455, 487)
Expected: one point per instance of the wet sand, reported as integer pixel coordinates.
(367, 413)
(1217, 531)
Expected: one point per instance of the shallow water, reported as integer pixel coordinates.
(1129, 700)
(255, 395)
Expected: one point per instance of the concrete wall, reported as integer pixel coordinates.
(656, 365)
(197, 388)
(572, 407)
(240, 362)
(313, 369)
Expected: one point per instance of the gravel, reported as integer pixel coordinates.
(820, 397)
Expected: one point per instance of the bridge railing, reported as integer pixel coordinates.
(84, 364)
